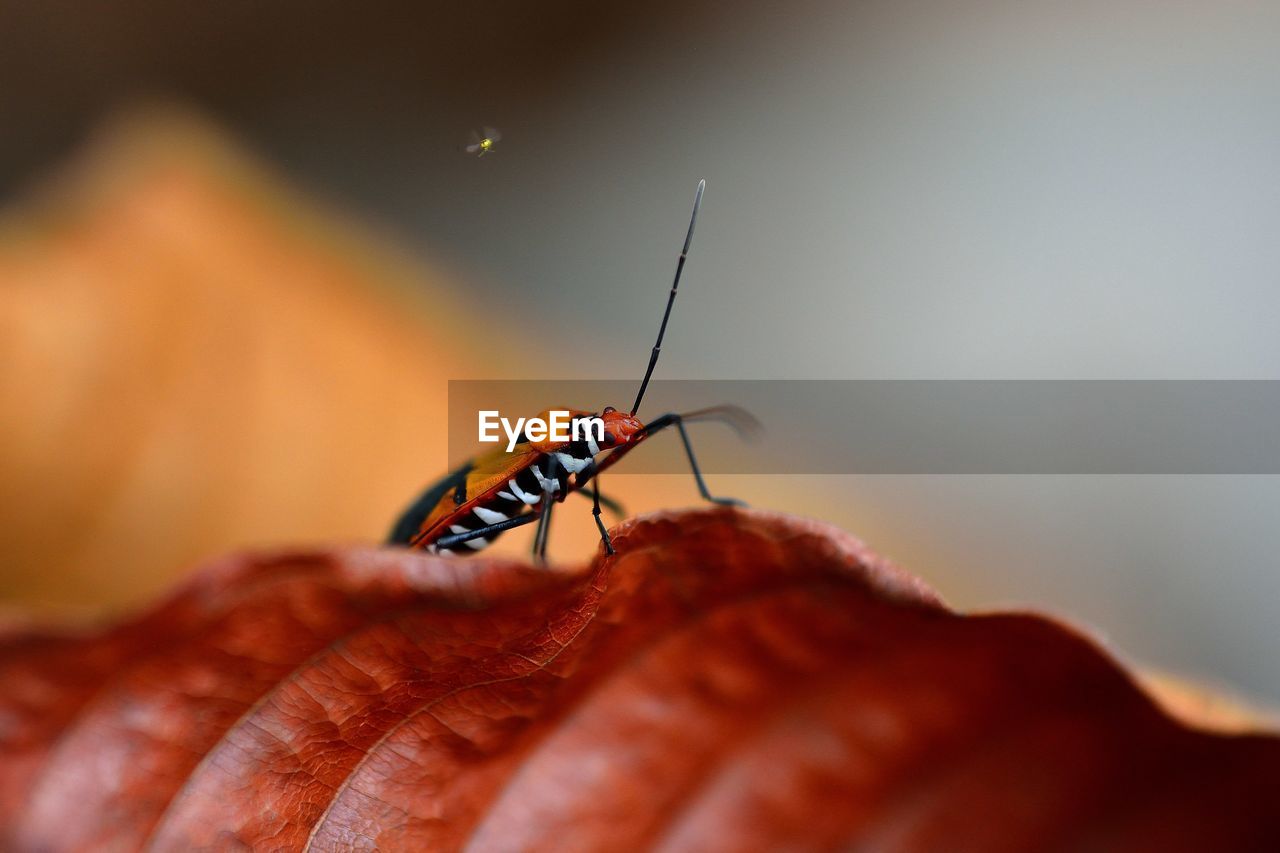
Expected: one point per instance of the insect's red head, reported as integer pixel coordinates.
(619, 427)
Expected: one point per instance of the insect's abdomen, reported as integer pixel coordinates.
(524, 493)
(507, 503)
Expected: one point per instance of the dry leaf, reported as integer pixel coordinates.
(731, 680)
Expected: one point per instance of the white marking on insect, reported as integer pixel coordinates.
(549, 486)
(522, 494)
(572, 464)
(488, 516)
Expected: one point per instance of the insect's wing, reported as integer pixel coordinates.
(413, 519)
(491, 471)
(492, 133)
(457, 494)
(473, 148)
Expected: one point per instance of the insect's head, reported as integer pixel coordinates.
(619, 427)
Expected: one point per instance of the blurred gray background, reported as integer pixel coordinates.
(895, 190)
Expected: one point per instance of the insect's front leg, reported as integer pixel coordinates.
(589, 474)
(665, 421)
(605, 501)
(585, 485)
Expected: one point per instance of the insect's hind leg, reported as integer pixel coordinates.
(678, 421)
(488, 530)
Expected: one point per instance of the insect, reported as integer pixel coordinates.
(500, 490)
(483, 142)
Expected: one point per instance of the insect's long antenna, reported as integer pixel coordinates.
(662, 330)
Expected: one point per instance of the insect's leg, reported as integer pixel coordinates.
(595, 512)
(544, 517)
(584, 486)
(497, 527)
(546, 535)
(697, 472)
(678, 421)
(604, 501)
(543, 533)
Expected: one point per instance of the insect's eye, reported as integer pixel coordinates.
(608, 410)
(609, 440)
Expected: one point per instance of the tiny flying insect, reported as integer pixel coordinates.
(499, 490)
(483, 142)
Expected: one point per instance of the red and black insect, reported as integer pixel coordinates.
(499, 490)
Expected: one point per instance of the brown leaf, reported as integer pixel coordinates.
(730, 680)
